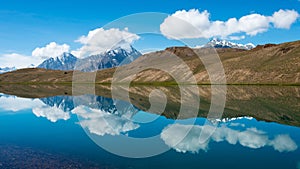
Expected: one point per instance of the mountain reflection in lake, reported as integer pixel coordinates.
(259, 129)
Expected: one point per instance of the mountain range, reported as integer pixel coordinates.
(116, 56)
(7, 69)
(65, 61)
(112, 58)
(219, 43)
(108, 59)
(264, 64)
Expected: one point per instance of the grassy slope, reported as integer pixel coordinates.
(278, 64)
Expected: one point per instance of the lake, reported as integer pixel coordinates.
(49, 126)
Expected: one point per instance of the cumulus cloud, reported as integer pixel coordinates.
(51, 113)
(95, 42)
(101, 40)
(196, 24)
(251, 138)
(101, 123)
(39, 54)
(18, 60)
(50, 50)
(284, 18)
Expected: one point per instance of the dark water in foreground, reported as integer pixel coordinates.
(56, 132)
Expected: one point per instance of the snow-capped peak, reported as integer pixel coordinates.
(110, 58)
(31, 66)
(7, 69)
(219, 43)
(250, 45)
(65, 61)
(127, 47)
(64, 55)
(121, 47)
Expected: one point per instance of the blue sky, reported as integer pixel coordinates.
(26, 25)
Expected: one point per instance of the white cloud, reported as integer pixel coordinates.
(102, 123)
(251, 138)
(15, 104)
(51, 113)
(252, 24)
(173, 134)
(101, 40)
(195, 24)
(39, 54)
(236, 37)
(18, 60)
(50, 50)
(284, 18)
(178, 25)
(283, 143)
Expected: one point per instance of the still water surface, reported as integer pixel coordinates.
(256, 131)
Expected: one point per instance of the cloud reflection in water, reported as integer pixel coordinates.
(101, 123)
(249, 137)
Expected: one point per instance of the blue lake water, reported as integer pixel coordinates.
(33, 131)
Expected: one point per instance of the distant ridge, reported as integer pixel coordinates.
(219, 43)
(65, 61)
(7, 69)
(108, 59)
(268, 65)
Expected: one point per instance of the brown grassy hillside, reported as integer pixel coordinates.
(268, 64)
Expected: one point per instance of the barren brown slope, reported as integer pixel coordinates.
(34, 75)
(268, 64)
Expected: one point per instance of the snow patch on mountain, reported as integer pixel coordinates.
(219, 43)
(111, 58)
(7, 69)
(65, 61)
